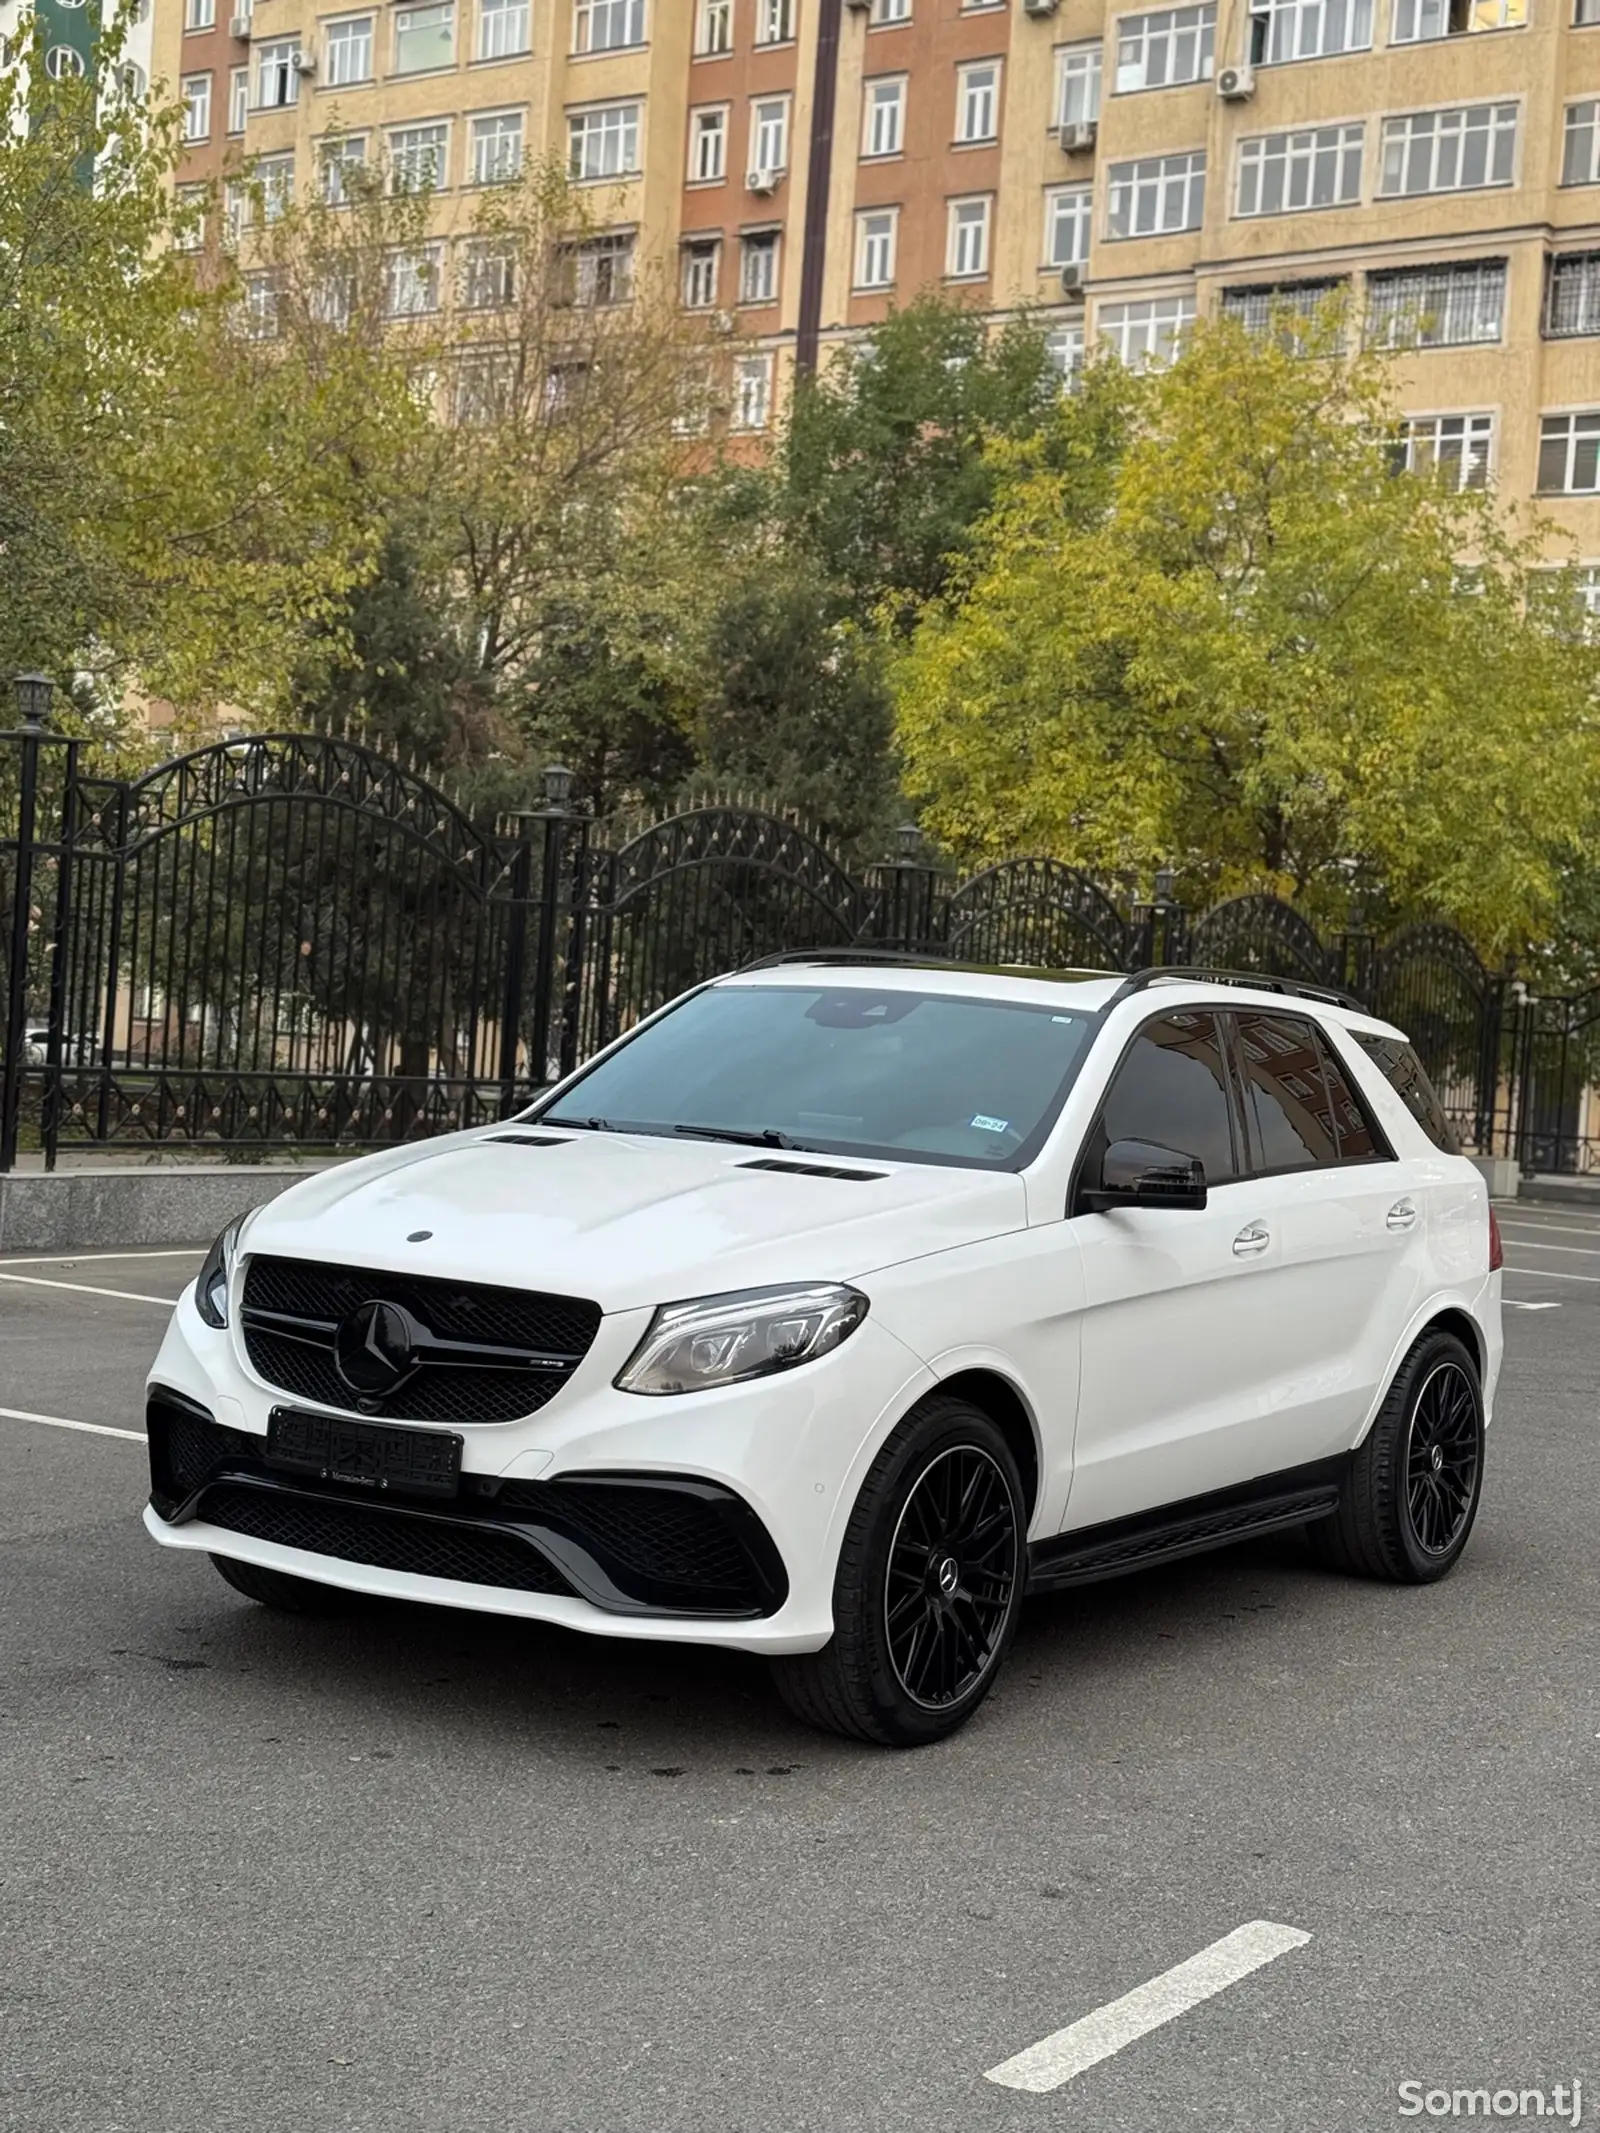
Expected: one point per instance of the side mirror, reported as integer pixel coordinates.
(1144, 1174)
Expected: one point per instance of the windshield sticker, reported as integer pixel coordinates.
(992, 1125)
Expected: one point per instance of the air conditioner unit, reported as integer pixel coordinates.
(1040, 7)
(1078, 135)
(1072, 276)
(305, 66)
(1236, 85)
(860, 6)
(239, 29)
(763, 181)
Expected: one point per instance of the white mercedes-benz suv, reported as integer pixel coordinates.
(845, 1302)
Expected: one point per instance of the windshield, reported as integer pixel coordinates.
(895, 1073)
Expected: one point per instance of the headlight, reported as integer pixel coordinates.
(721, 1340)
(211, 1284)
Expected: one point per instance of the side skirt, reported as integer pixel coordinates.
(1190, 1527)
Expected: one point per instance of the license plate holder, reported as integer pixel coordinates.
(365, 1455)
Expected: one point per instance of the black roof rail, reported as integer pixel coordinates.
(1294, 988)
(913, 959)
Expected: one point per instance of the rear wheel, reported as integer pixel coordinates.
(929, 1583)
(278, 1590)
(1412, 1493)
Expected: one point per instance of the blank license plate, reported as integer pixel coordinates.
(365, 1455)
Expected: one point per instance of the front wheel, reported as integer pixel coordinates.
(1412, 1493)
(930, 1579)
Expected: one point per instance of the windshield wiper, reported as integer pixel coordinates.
(768, 1137)
(595, 1125)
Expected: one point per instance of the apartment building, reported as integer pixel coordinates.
(797, 167)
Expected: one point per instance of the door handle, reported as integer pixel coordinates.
(1252, 1240)
(1402, 1216)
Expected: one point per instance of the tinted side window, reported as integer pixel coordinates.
(1286, 1095)
(1408, 1077)
(1358, 1140)
(1172, 1089)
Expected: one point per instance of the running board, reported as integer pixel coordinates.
(1190, 1528)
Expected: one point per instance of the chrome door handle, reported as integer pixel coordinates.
(1403, 1215)
(1252, 1240)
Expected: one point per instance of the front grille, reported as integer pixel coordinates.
(316, 1299)
(658, 1534)
(385, 1539)
(195, 1447)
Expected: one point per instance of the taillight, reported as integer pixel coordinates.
(1497, 1251)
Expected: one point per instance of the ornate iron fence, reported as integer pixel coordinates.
(287, 941)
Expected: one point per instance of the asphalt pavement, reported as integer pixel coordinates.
(419, 1872)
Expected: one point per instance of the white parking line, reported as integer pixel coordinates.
(82, 1288)
(93, 1429)
(189, 1251)
(1549, 1273)
(1058, 2059)
(1513, 1303)
(1579, 1251)
(1546, 1229)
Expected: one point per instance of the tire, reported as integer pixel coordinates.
(284, 1594)
(1411, 1496)
(930, 1580)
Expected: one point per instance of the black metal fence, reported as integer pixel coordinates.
(287, 941)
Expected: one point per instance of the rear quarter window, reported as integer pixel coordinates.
(1408, 1077)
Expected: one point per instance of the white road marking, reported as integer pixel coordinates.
(190, 1251)
(82, 1288)
(1579, 1251)
(93, 1429)
(1058, 2059)
(1549, 1273)
(1511, 1303)
(1561, 1229)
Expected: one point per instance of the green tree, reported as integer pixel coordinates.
(1257, 650)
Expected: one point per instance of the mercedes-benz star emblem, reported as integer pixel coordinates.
(375, 1348)
(949, 1576)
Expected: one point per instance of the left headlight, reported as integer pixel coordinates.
(211, 1283)
(721, 1340)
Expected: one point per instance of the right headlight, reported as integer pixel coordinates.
(211, 1283)
(722, 1340)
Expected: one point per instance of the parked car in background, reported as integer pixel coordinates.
(845, 1302)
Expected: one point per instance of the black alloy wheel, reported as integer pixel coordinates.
(1442, 1458)
(953, 1567)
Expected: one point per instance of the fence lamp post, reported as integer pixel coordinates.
(33, 693)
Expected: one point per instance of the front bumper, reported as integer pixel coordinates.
(741, 1494)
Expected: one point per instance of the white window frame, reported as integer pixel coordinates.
(414, 269)
(1428, 21)
(1156, 196)
(752, 393)
(1069, 216)
(969, 231)
(1582, 427)
(1580, 164)
(1297, 159)
(978, 91)
(883, 115)
(713, 28)
(1166, 47)
(769, 133)
(277, 65)
(1442, 134)
(603, 269)
(621, 24)
(775, 21)
(1458, 290)
(765, 247)
(877, 244)
(615, 131)
(485, 168)
(1584, 305)
(200, 15)
(702, 273)
(1284, 31)
(187, 198)
(238, 98)
(488, 264)
(196, 93)
(402, 178)
(888, 14)
(1159, 324)
(337, 154)
(341, 40)
(1064, 351)
(505, 29)
(403, 27)
(708, 144)
(273, 177)
(1421, 440)
(1080, 83)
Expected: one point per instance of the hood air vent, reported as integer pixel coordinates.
(813, 1170)
(531, 1140)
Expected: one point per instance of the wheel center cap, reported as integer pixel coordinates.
(949, 1575)
(1437, 1456)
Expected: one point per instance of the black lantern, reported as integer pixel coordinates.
(34, 692)
(558, 783)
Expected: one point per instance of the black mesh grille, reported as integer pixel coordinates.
(654, 1533)
(388, 1540)
(454, 1311)
(195, 1447)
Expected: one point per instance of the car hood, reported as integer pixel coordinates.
(628, 1219)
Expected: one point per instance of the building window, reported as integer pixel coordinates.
(425, 38)
(1455, 448)
(1436, 307)
(1155, 51)
(1283, 30)
(348, 51)
(1572, 297)
(978, 101)
(1281, 173)
(702, 273)
(714, 28)
(600, 271)
(883, 124)
(235, 212)
(875, 246)
(884, 11)
(1580, 159)
(708, 145)
(411, 281)
(1291, 311)
(603, 142)
(238, 99)
(488, 274)
(607, 25)
(752, 393)
(774, 21)
(1067, 212)
(497, 148)
(342, 159)
(417, 157)
(1156, 194)
(1063, 348)
(277, 73)
(1448, 151)
(197, 107)
(200, 14)
(1586, 14)
(1078, 85)
(1569, 454)
(503, 28)
(190, 232)
(758, 268)
(769, 134)
(272, 179)
(967, 240)
(1145, 332)
(260, 307)
(1418, 20)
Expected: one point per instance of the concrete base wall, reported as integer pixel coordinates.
(107, 1210)
(1503, 1174)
